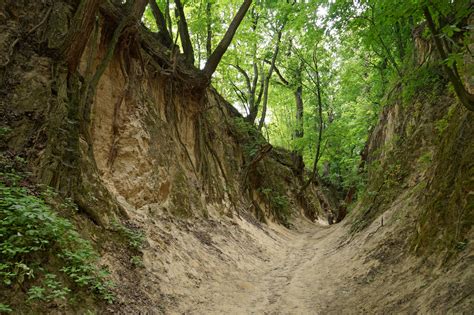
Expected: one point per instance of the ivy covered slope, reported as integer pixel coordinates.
(419, 164)
(417, 207)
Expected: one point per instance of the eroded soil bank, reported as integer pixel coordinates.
(151, 153)
(237, 266)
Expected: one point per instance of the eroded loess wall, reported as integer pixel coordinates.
(145, 140)
(151, 141)
(420, 155)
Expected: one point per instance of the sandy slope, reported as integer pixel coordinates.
(290, 281)
(314, 270)
(224, 265)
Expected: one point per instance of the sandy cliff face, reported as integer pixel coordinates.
(147, 138)
(159, 146)
(146, 149)
(423, 147)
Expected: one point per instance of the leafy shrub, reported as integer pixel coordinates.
(278, 203)
(425, 159)
(425, 81)
(134, 237)
(4, 131)
(53, 289)
(248, 135)
(30, 231)
(137, 261)
(4, 308)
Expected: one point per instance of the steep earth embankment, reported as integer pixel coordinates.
(146, 138)
(419, 199)
(138, 148)
(151, 151)
(420, 153)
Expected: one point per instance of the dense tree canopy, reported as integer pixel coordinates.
(313, 75)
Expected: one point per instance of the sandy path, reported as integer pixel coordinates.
(295, 279)
(244, 269)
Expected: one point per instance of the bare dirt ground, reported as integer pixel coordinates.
(235, 266)
(314, 270)
(292, 280)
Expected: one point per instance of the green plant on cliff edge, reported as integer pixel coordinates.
(31, 233)
(248, 135)
(134, 237)
(4, 308)
(278, 203)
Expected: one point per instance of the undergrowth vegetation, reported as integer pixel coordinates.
(278, 204)
(248, 135)
(42, 252)
(134, 238)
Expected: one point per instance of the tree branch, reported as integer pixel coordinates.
(277, 71)
(209, 29)
(246, 76)
(239, 93)
(161, 23)
(466, 98)
(216, 56)
(184, 33)
(320, 113)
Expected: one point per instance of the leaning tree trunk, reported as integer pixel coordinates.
(81, 27)
(161, 23)
(298, 164)
(317, 155)
(218, 53)
(267, 79)
(184, 33)
(299, 131)
(209, 29)
(466, 98)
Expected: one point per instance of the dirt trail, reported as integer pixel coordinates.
(297, 278)
(235, 265)
(314, 270)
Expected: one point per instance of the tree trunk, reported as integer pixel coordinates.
(320, 114)
(216, 56)
(253, 109)
(137, 9)
(209, 29)
(81, 27)
(184, 33)
(169, 24)
(466, 98)
(299, 131)
(267, 79)
(297, 157)
(254, 99)
(400, 43)
(161, 23)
